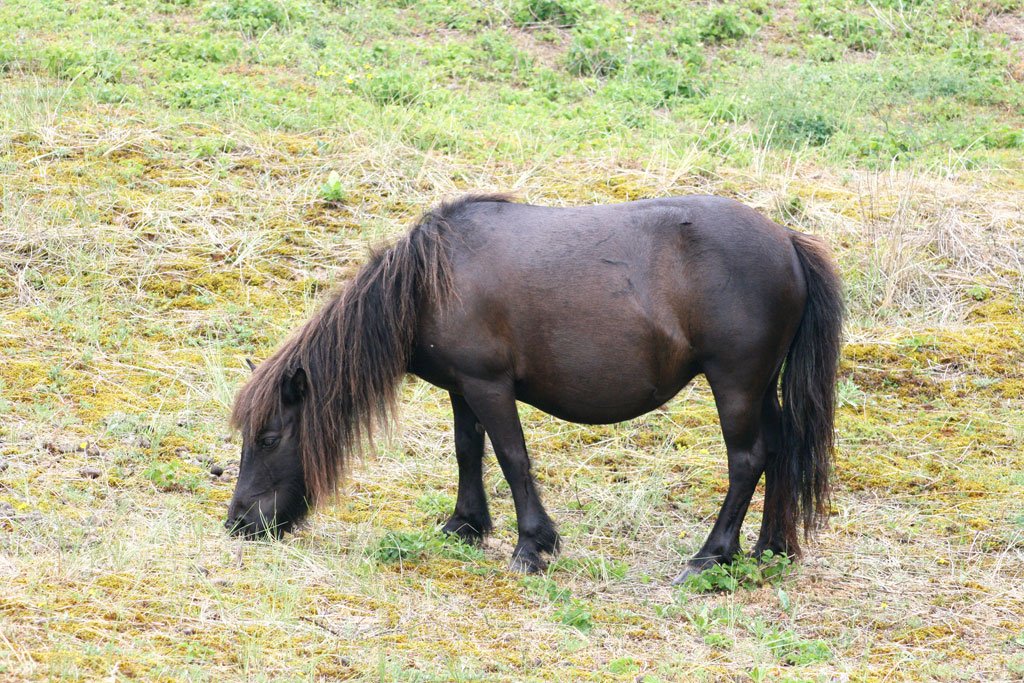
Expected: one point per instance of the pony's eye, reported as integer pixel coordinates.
(268, 442)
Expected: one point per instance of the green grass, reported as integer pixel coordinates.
(181, 181)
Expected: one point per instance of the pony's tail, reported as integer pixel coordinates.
(803, 467)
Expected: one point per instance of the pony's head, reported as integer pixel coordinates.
(318, 400)
(303, 413)
(271, 495)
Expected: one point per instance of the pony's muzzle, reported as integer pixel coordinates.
(252, 528)
(253, 522)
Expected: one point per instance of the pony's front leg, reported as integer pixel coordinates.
(495, 405)
(471, 519)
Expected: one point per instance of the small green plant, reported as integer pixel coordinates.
(758, 674)
(979, 292)
(706, 620)
(436, 504)
(726, 22)
(546, 588)
(497, 58)
(805, 127)
(392, 87)
(918, 342)
(787, 646)
(623, 665)
(597, 49)
(666, 78)
(332, 190)
(397, 546)
(849, 394)
(462, 16)
(743, 572)
(853, 30)
(453, 548)
(216, 48)
(576, 614)
(823, 49)
(10, 56)
(803, 652)
(571, 611)
(70, 62)
(211, 146)
(203, 92)
(174, 476)
(557, 12)
(253, 16)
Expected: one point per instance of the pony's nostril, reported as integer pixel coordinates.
(236, 525)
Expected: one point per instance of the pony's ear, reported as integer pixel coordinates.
(252, 366)
(294, 387)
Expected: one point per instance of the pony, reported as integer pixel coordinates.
(593, 314)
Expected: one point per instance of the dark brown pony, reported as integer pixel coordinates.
(596, 315)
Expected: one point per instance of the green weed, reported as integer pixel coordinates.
(743, 572)
(392, 87)
(72, 62)
(570, 611)
(254, 16)
(557, 12)
(597, 49)
(723, 23)
(706, 620)
(174, 476)
(788, 647)
(843, 24)
(623, 665)
(332, 189)
(575, 614)
(394, 547)
(658, 80)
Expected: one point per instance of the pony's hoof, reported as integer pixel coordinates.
(528, 563)
(466, 531)
(689, 571)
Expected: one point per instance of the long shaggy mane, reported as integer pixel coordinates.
(355, 350)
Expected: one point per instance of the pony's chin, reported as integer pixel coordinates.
(257, 531)
(261, 529)
(255, 525)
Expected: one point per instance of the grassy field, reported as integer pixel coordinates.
(181, 181)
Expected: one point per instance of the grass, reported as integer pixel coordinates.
(182, 180)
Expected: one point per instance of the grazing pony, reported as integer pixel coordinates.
(595, 314)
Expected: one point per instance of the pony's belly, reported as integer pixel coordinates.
(593, 416)
(617, 402)
(601, 380)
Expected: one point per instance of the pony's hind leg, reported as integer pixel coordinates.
(779, 521)
(739, 411)
(495, 404)
(471, 519)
